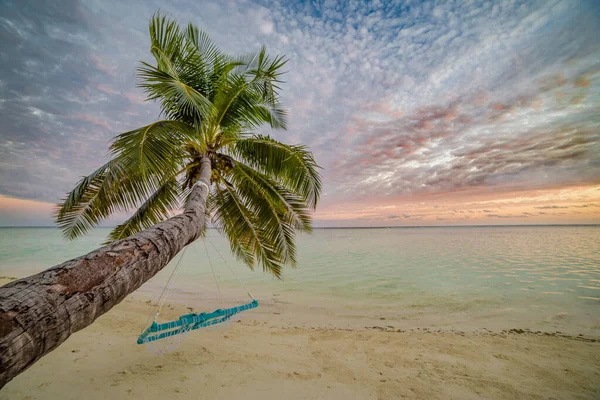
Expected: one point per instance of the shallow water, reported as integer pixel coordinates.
(541, 278)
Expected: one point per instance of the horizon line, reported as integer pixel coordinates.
(356, 227)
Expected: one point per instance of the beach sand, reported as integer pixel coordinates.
(259, 357)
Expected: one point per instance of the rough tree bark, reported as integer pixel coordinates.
(40, 312)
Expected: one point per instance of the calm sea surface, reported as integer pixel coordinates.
(540, 278)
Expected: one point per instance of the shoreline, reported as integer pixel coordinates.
(287, 310)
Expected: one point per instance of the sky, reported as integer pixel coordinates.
(420, 113)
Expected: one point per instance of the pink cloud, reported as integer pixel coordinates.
(94, 120)
(103, 65)
(134, 98)
(106, 89)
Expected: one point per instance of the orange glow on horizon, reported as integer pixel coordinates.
(11, 204)
(574, 205)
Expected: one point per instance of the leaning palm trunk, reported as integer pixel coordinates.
(39, 312)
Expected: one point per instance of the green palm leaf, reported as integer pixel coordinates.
(158, 207)
(245, 231)
(293, 206)
(178, 100)
(79, 210)
(292, 165)
(280, 212)
(167, 42)
(110, 189)
(156, 149)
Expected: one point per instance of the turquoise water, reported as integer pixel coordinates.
(545, 278)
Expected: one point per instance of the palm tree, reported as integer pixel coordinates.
(204, 156)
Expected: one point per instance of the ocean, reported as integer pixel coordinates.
(544, 278)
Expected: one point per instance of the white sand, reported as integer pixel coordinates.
(260, 357)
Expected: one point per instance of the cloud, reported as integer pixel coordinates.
(507, 216)
(397, 101)
(586, 205)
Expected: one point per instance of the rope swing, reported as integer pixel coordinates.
(189, 322)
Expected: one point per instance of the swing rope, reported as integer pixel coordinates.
(228, 266)
(192, 321)
(214, 275)
(169, 285)
(164, 293)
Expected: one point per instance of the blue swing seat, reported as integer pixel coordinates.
(190, 322)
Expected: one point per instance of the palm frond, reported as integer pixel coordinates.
(143, 160)
(166, 42)
(156, 149)
(292, 165)
(293, 207)
(205, 48)
(245, 231)
(79, 212)
(112, 188)
(253, 107)
(279, 211)
(178, 100)
(158, 207)
(251, 90)
(261, 65)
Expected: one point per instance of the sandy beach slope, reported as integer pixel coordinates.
(257, 358)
